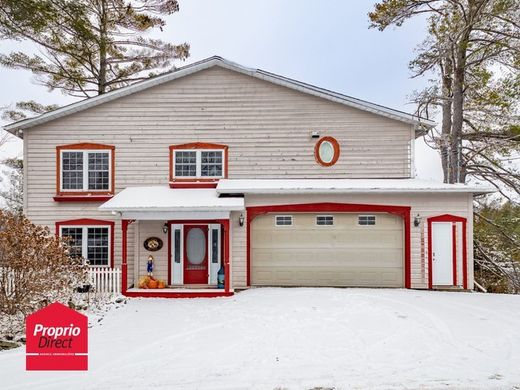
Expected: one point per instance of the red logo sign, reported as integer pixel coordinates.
(57, 339)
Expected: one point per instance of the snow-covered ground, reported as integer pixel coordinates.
(297, 339)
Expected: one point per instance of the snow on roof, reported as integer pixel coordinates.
(419, 122)
(319, 186)
(167, 199)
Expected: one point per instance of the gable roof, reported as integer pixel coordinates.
(421, 124)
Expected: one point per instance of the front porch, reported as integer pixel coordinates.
(181, 238)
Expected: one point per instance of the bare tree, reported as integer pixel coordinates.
(35, 268)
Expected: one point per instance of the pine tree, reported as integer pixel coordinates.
(473, 51)
(88, 47)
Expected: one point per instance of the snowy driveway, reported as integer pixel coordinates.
(298, 339)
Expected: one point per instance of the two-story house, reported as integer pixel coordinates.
(280, 182)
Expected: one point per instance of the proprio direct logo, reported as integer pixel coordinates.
(57, 339)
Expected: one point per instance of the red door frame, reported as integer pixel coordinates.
(124, 254)
(198, 273)
(224, 250)
(402, 211)
(453, 219)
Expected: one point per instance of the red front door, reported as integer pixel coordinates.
(196, 254)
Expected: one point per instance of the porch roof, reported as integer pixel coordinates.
(162, 202)
(342, 186)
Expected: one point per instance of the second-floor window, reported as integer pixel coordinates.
(84, 169)
(198, 161)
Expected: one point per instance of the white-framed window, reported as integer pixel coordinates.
(324, 220)
(283, 220)
(366, 220)
(86, 170)
(89, 242)
(201, 163)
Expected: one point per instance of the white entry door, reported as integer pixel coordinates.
(442, 253)
(178, 252)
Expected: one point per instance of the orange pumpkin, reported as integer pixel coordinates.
(153, 283)
(161, 284)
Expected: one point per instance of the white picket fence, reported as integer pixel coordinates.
(105, 280)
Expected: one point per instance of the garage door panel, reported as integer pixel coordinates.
(338, 239)
(344, 254)
(330, 257)
(321, 277)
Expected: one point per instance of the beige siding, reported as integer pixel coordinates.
(267, 128)
(425, 205)
(238, 243)
(147, 229)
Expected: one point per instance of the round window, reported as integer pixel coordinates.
(327, 151)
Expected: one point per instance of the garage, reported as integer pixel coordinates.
(335, 249)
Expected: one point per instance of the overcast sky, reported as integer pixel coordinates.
(325, 43)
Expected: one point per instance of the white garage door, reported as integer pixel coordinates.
(344, 249)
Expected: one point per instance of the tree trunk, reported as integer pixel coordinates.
(447, 103)
(458, 116)
(102, 75)
(458, 172)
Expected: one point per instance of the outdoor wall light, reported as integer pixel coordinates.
(241, 219)
(315, 134)
(165, 228)
(417, 220)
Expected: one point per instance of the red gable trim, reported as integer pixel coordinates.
(82, 198)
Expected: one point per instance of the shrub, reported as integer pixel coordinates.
(35, 267)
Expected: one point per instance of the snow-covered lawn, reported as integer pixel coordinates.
(297, 339)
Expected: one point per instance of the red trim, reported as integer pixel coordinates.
(84, 146)
(335, 145)
(225, 251)
(90, 222)
(187, 294)
(464, 256)
(402, 211)
(430, 256)
(169, 252)
(454, 219)
(82, 198)
(192, 181)
(193, 184)
(124, 254)
(454, 252)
